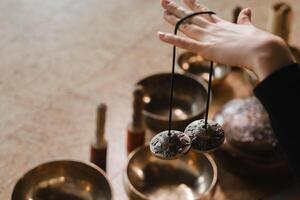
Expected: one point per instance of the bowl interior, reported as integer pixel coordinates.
(190, 177)
(189, 96)
(70, 180)
(195, 64)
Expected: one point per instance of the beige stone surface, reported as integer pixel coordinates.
(60, 58)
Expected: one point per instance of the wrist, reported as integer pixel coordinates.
(271, 55)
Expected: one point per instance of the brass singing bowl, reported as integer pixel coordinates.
(189, 102)
(190, 177)
(192, 63)
(250, 77)
(64, 179)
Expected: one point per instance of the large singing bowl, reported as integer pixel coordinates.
(191, 177)
(63, 180)
(190, 95)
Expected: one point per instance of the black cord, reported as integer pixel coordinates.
(208, 92)
(173, 71)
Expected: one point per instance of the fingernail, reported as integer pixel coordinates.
(166, 2)
(247, 11)
(161, 34)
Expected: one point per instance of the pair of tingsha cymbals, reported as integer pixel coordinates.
(201, 135)
(170, 145)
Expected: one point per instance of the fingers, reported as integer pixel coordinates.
(180, 12)
(189, 30)
(174, 8)
(196, 6)
(245, 17)
(182, 42)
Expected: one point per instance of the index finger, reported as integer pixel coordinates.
(183, 42)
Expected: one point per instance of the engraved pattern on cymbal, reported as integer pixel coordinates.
(171, 146)
(205, 139)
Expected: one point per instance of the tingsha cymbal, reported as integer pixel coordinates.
(205, 138)
(171, 145)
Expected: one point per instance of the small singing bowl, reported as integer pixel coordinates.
(190, 177)
(72, 180)
(250, 77)
(189, 100)
(192, 63)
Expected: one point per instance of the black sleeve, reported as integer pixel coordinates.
(280, 95)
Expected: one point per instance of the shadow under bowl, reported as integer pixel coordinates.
(64, 179)
(190, 177)
(189, 102)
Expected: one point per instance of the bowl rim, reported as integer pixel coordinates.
(89, 164)
(144, 197)
(199, 80)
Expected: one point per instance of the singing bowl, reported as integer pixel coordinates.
(62, 180)
(190, 177)
(189, 102)
(192, 63)
(251, 77)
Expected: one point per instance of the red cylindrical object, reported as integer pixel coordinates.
(98, 156)
(135, 140)
(136, 129)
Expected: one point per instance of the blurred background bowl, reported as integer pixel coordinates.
(190, 177)
(192, 63)
(251, 77)
(190, 96)
(63, 179)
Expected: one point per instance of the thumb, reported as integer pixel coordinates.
(244, 17)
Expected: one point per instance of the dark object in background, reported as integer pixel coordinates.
(248, 126)
(283, 107)
(98, 149)
(251, 147)
(235, 13)
(136, 129)
(279, 23)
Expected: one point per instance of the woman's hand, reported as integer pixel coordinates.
(240, 44)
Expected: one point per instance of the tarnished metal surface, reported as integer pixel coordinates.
(171, 145)
(205, 138)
